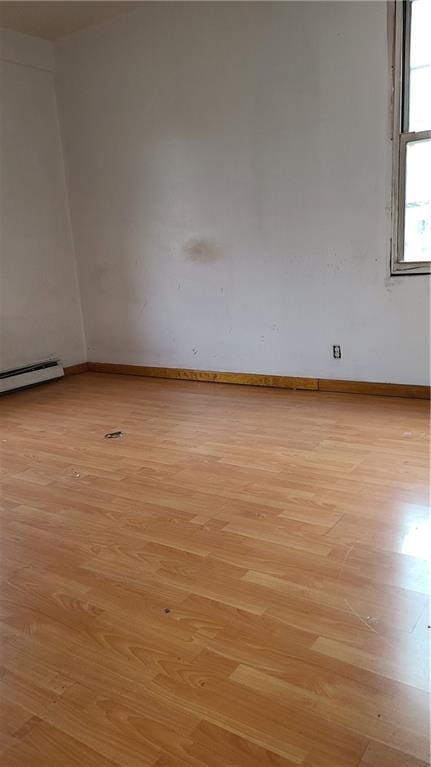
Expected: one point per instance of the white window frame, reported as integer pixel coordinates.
(401, 137)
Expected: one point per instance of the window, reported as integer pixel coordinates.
(411, 240)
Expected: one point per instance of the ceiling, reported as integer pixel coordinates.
(54, 19)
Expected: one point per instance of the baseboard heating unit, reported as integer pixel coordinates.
(18, 378)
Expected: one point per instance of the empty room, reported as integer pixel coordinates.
(214, 383)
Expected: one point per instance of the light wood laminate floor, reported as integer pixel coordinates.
(239, 580)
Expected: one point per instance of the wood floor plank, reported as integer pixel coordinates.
(212, 746)
(312, 703)
(379, 755)
(383, 658)
(43, 745)
(241, 578)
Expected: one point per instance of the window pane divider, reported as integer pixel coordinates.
(415, 135)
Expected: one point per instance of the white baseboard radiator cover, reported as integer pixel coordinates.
(30, 375)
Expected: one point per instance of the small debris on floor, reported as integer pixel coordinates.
(75, 474)
(167, 610)
(114, 434)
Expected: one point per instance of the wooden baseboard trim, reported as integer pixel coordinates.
(253, 379)
(256, 379)
(369, 387)
(74, 370)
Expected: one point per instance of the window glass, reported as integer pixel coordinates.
(417, 223)
(420, 66)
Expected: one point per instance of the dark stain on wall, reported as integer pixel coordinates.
(202, 251)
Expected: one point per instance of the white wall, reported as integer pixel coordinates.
(230, 191)
(40, 313)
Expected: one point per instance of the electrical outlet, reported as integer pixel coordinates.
(336, 352)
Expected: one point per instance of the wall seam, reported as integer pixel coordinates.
(69, 212)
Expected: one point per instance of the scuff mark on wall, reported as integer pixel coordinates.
(142, 309)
